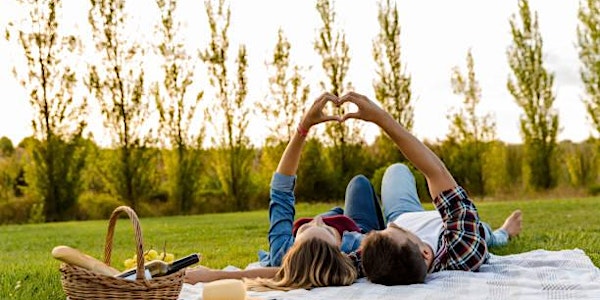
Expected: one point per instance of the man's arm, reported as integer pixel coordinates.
(204, 274)
(464, 236)
(438, 177)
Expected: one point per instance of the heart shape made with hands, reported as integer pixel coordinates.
(328, 107)
(335, 108)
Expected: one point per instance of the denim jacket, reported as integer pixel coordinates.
(281, 218)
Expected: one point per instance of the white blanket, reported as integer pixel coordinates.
(539, 274)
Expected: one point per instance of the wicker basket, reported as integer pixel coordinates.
(79, 283)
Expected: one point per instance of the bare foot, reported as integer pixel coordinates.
(512, 225)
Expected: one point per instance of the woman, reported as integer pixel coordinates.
(310, 252)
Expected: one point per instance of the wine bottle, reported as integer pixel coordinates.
(161, 268)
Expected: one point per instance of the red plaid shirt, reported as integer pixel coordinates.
(462, 243)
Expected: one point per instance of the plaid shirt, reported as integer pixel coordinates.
(462, 243)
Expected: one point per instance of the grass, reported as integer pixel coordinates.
(28, 270)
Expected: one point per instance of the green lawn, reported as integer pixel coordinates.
(29, 272)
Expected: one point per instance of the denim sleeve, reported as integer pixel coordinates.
(281, 219)
(351, 241)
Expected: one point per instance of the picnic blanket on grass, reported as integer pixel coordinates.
(538, 274)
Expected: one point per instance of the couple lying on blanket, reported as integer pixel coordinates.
(337, 247)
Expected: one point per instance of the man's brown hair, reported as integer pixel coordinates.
(386, 262)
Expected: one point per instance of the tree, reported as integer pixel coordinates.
(117, 81)
(234, 156)
(495, 169)
(10, 168)
(469, 132)
(287, 100)
(289, 93)
(588, 44)
(177, 111)
(531, 86)
(392, 86)
(331, 45)
(467, 125)
(6, 147)
(580, 162)
(50, 79)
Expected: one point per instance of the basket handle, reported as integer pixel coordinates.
(138, 238)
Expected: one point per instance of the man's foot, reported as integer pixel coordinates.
(512, 225)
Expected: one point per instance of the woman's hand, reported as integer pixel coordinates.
(367, 109)
(204, 274)
(288, 165)
(201, 274)
(315, 114)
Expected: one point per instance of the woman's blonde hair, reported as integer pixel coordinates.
(308, 264)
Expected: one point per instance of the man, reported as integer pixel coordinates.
(417, 242)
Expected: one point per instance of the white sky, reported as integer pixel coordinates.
(436, 35)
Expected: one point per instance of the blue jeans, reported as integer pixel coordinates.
(362, 205)
(398, 195)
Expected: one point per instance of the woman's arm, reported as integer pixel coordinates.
(204, 274)
(281, 207)
(438, 177)
(288, 165)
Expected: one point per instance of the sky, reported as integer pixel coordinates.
(435, 37)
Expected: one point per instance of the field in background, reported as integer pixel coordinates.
(29, 272)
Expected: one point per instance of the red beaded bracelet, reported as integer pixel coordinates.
(303, 132)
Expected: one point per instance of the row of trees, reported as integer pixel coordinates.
(167, 164)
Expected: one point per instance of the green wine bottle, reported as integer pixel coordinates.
(158, 268)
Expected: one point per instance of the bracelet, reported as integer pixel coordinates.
(303, 132)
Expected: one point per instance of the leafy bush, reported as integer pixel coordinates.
(18, 210)
(10, 169)
(594, 190)
(317, 182)
(93, 206)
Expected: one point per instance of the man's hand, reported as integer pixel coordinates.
(315, 114)
(367, 109)
(438, 177)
